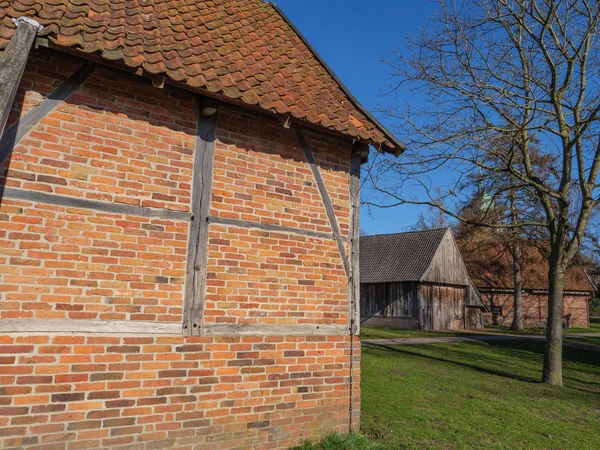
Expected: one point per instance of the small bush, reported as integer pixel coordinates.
(337, 441)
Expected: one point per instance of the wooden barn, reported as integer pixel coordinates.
(490, 266)
(178, 228)
(416, 280)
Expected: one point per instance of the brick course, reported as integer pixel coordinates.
(72, 392)
(257, 276)
(59, 262)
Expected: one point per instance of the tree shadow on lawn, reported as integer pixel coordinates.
(523, 353)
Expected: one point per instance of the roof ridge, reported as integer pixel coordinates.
(405, 232)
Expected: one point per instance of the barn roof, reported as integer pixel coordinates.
(490, 266)
(398, 257)
(244, 51)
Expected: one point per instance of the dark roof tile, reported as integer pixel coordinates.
(398, 257)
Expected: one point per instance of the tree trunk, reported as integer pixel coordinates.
(554, 333)
(517, 323)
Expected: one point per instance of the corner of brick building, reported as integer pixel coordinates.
(118, 140)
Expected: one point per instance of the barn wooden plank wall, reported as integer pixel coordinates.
(447, 266)
(445, 306)
(428, 306)
(388, 299)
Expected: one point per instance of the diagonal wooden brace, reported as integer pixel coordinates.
(12, 64)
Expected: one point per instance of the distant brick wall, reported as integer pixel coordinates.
(122, 142)
(77, 392)
(535, 308)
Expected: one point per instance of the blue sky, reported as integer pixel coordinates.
(351, 36)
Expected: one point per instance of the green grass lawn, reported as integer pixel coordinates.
(479, 395)
(391, 333)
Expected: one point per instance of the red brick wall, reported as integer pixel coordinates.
(79, 392)
(114, 139)
(271, 277)
(121, 141)
(535, 308)
(261, 175)
(59, 262)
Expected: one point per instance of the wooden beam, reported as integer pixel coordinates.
(216, 329)
(12, 64)
(95, 205)
(88, 326)
(197, 255)
(358, 152)
(326, 199)
(270, 227)
(19, 129)
(32, 326)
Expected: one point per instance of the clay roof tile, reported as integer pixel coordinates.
(240, 49)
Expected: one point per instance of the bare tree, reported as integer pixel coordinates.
(488, 72)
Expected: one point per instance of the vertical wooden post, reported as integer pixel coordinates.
(197, 255)
(12, 64)
(359, 152)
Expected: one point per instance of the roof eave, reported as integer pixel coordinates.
(398, 147)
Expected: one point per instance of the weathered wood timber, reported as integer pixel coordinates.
(19, 129)
(140, 327)
(88, 326)
(12, 64)
(310, 158)
(197, 255)
(447, 265)
(355, 163)
(274, 329)
(95, 205)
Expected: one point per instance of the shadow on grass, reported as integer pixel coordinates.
(525, 351)
(407, 351)
(570, 354)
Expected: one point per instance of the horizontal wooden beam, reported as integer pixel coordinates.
(271, 227)
(32, 326)
(96, 205)
(274, 329)
(88, 326)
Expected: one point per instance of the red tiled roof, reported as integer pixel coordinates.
(490, 266)
(244, 50)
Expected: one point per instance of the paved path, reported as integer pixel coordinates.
(482, 337)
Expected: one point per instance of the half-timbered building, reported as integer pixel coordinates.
(178, 228)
